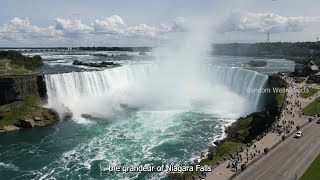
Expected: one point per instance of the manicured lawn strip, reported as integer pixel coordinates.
(299, 79)
(313, 172)
(280, 98)
(313, 108)
(308, 94)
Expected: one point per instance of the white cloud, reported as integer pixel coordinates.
(265, 22)
(147, 31)
(110, 25)
(111, 28)
(19, 25)
(18, 30)
(71, 25)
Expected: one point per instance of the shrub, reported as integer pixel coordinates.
(298, 128)
(266, 150)
(310, 119)
(210, 156)
(284, 137)
(18, 59)
(243, 167)
(310, 81)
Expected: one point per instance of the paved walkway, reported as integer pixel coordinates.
(8, 68)
(289, 160)
(291, 116)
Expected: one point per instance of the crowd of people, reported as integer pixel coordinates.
(291, 109)
(286, 123)
(238, 158)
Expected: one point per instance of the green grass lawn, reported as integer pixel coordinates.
(216, 155)
(27, 109)
(313, 172)
(313, 108)
(299, 79)
(2, 63)
(18, 71)
(280, 98)
(2, 66)
(308, 94)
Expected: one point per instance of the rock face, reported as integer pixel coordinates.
(67, 115)
(102, 64)
(9, 128)
(27, 123)
(87, 116)
(16, 88)
(36, 119)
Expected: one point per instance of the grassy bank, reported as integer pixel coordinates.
(248, 128)
(214, 155)
(313, 108)
(8, 68)
(239, 133)
(244, 130)
(14, 63)
(19, 60)
(279, 96)
(313, 172)
(29, 108)
(299, 79)
(307, 94)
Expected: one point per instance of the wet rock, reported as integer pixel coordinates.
(219, 142)
(257, 63)
(87, 116)
(124, 105)
(27, 123)
(37, 119)
(67, 115)
(10, 128)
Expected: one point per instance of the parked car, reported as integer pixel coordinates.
(298, 134)
(318, 122)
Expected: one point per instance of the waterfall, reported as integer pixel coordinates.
(242, 81)
(102, 89)
(67, 90)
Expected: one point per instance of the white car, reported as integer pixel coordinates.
(298, 134)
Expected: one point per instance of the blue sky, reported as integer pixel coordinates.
(152, 22)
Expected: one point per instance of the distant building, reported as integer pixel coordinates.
(306, 69)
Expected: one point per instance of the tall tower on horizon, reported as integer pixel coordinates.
(268, 37)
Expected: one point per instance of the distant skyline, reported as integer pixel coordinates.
(47, 23)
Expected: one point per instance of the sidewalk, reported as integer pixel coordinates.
(221, 172)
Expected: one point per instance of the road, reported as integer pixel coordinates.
(289, 160)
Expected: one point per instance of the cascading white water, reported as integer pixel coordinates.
(242, 81)
(67, 90)
(101, 92)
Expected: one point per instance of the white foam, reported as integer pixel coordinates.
(9, 166)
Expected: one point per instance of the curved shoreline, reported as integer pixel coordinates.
(290, 118)
(232, 136)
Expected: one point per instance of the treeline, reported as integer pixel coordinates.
(29, 63)
(299, 52)
(140, 49)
